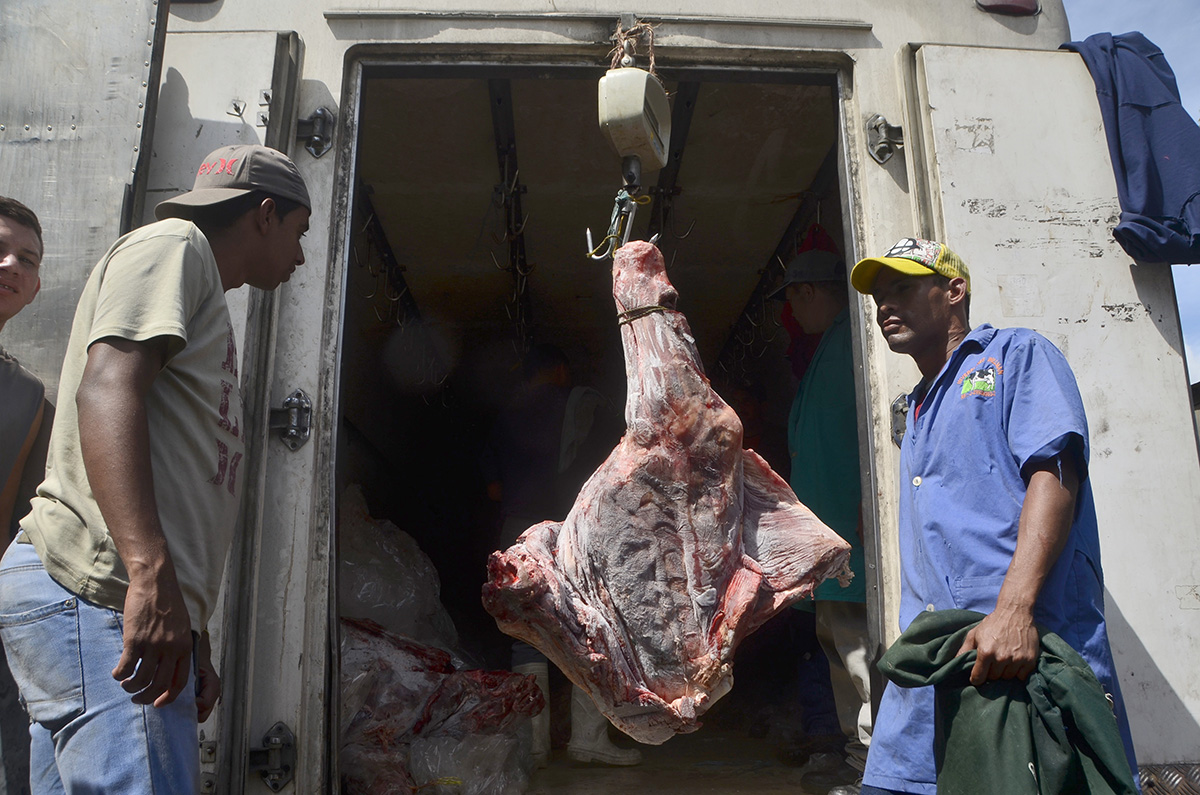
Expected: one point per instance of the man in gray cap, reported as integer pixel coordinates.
(118, 564)
(823, 442)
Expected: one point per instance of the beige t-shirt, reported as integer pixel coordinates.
(160, 280)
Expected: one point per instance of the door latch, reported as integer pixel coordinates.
(883, 139)
(899, 418)
(294, 420)
(317, 131)
(276, 760)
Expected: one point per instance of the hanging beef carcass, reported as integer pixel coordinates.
(680, 544)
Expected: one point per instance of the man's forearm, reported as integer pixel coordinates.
(1045, 524)
(1006, 640)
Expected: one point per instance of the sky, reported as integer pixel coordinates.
(1173, 25)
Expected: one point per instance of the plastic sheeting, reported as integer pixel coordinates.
(412, 716)
(383, 576)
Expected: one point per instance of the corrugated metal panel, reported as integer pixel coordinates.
(80, 80)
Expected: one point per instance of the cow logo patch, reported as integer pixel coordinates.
(981, 381)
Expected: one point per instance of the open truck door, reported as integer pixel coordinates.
(220, 88)
(1012, 168)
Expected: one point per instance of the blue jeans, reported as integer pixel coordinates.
(86, 735)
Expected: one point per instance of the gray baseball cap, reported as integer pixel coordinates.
(811, 266)
(234, 171)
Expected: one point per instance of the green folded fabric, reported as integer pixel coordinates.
(1053, 733)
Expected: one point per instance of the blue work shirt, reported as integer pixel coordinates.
(1005, 400)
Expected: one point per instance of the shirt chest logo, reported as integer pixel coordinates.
(981, 380)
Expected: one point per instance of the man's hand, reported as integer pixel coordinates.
(1006, 645)
(158, 640)
(208, 683)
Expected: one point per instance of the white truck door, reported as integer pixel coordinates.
(220, 88)
(1012, 151)
(80, 84)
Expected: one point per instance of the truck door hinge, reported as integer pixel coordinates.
(276, 760)
(899, 418)
(317, 131)
(883, 139)
(208, 756)
(294, 420)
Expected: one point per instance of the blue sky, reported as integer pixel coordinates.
(1174, 25)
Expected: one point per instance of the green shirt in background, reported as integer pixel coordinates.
(823, 442)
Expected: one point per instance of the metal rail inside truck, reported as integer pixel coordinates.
(454, 161)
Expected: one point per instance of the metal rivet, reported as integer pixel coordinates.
(135, 148)
(72, 126)
(26, 128)
(2, 128)
(49, 128)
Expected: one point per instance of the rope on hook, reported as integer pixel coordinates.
(626, 40)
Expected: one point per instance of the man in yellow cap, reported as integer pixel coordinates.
(996, 511)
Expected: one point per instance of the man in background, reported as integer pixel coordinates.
(541, 450)
(21, 392)
(22, 396)
(825, 474)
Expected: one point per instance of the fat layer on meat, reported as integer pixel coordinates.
(679, 545)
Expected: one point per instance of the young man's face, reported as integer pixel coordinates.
(284, 252)
(910, 310)
(20, 261)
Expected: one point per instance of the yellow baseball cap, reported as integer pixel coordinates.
(913, 257)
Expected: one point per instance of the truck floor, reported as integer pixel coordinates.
(710, 762)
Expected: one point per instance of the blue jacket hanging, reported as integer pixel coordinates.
(1154, 145)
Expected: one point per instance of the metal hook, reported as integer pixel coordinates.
(519, 230)
(620, 227)
(684, 236)
(387, 293)
(594, 251)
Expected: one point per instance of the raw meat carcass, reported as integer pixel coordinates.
(396, 691)
(680, 544)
